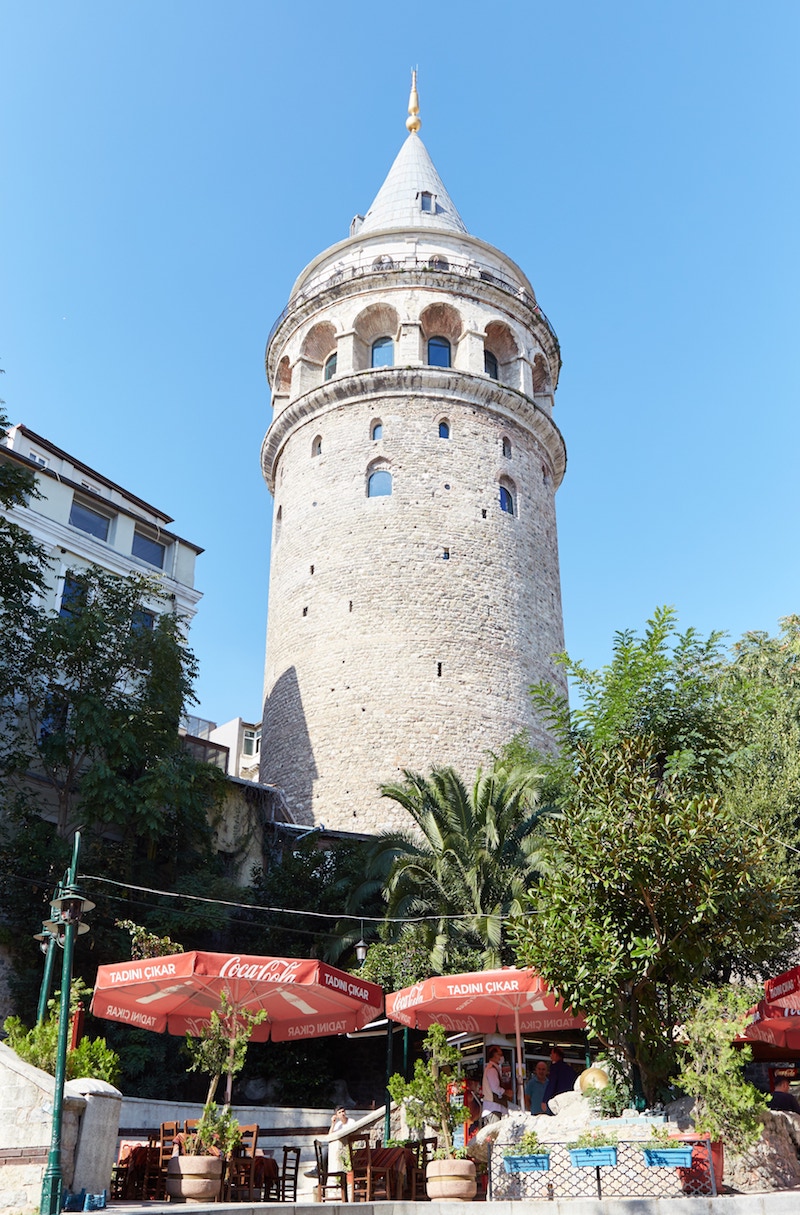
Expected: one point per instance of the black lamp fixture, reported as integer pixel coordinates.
(361, 948)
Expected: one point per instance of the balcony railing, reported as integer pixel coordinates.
(434, 265)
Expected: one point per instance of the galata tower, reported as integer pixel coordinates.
(414, 587)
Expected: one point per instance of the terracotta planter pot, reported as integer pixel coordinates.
(194, 1178)
(451, 1180)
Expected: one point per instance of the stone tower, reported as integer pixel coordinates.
(414, 588)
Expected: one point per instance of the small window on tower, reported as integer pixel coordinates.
(377, 430)
(507, 449)
(316, 446)
(490, 364)
(383, 352)
(506, 500)
(444, 429)
(426, 201)
(379, 484)
(330, 366)
(438, 352)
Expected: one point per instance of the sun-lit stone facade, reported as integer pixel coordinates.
(406, 627)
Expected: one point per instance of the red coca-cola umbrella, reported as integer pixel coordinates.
(177, 993)
(504, 1001)
(774, 1025)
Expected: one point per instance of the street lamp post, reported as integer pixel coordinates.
(69, 904)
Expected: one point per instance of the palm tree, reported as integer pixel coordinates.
(466, 866)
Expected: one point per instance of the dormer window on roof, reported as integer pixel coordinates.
(427, 201)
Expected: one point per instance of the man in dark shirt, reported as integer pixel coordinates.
(560, 1080)
(782, 1099)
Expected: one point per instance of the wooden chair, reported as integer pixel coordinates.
(289, 1171)
(239, 1183)
(370, 1180)
(337, 1182)
(423, 1152)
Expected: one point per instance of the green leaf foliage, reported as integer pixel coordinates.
(425, 1096)
(467, 867)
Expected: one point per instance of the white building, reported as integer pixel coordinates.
(83, 519)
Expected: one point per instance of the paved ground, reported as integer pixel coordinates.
(783, 1202)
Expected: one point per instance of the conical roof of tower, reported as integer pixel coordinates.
(398, 203)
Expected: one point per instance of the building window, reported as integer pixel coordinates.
(426, 202)
(445, 554)
(142, 621)
(438, 262)
(316, 446)
(72, 597)
(148, 550)
(377, 430)
(88, 520)
(444, 429)
(251, 743)
(383, 352)
(506, 500)
(330, 366)
(506, 449)
(384, 262)
(438, 352)
(42, 461)
(379, 484)
(490, 364)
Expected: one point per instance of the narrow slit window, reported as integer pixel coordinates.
(377, 431)
(444, 429)
(507, 449)
(490, 364)
(330, 366)
(439, 670)
(316, 446)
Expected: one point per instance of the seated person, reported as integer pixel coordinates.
(782, 1099)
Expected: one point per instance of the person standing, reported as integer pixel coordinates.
(338, 1151)
(534, 1089)
(560, 1080)
(495, 1096)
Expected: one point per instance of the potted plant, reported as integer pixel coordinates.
(593, 1148)
(527, 1155)
(661, 1151)
(450, 1176)
(196, 1176)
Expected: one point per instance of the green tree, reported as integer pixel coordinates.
(467, 867)
(712, 1069)
(426, 1096)
(22, 566)
(661, 874)
(38, 1046)
(100, 691)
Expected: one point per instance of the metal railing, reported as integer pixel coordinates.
(629, 1178)
(436, 265)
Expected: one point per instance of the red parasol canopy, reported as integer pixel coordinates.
(784, 990)
(775, 1025)
(304, 998)
(507, 1000)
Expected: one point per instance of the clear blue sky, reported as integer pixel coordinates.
(169, 168)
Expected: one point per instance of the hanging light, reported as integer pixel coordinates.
(361, 948)
(71, 905)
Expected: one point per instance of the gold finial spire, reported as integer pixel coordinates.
(413, 122)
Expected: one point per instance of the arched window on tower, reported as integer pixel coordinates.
(507, 499)
(506, 448)
(376, 430)
(316, 446)
(278, 521)
(444, 429)
(330, 366)
(490, 364)
(383, 352)
(438, 352)
(379, 483)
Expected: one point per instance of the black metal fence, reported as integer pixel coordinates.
(630, 1177)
